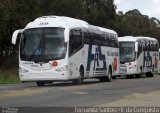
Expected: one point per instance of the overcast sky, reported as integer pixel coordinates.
(146, 7)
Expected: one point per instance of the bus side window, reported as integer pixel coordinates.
(143, 44)
(103, 40)
(139, 48)
(149, 47)
(107, 39)
(75, 41)
(116, 43)
(112, 40)
(152, 47)
(146, 46)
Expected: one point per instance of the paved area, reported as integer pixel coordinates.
(119, 92)
(151, 99)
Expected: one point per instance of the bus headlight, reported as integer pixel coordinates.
(22, 70)
(63, 68)
(132, 67)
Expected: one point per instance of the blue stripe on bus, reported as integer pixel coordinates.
(98, 56)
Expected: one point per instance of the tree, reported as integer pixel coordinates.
(136, 24)
(15, 14)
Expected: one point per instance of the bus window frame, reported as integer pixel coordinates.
(80, 46)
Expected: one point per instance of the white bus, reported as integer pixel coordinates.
(57, 48)
(138, 56)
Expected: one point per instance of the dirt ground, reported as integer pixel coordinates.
(151, 99)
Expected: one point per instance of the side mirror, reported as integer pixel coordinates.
(15, 35)
(66, 33)
(136, 47)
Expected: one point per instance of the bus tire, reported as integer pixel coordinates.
(130, 76)
(102, 79)
(141, 75)
(149, 74)
(109, 76)
(40, 83)
(114, 77)
(137, 75)
(81, 77)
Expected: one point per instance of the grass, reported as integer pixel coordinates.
(156, 73)
(9, 77)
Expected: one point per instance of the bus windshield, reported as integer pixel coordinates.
(42, 44)
(127, 52)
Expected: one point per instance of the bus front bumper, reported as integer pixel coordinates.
(44, 76)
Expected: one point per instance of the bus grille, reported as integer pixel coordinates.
(123, 69)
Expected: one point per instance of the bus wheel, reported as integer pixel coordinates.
(141, 75)
(130, 76)
(109, 77)
(40, 83)
(80, 79)
(114, 77)
(106, 78)
(137, 76)
(102, 79)
(149, 74)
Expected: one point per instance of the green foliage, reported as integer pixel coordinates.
(136, 24)
(15, 14)
(9, 76)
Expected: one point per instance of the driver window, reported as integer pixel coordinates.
(75, 41)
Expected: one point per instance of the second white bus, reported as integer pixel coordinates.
(138, 56)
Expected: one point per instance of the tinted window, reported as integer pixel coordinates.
(152, 46)
(42, 44)
(75, 42)
(139, 48)
(127, 52)
(100, 38)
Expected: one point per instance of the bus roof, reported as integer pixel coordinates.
(64, 22)
(134, 39)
